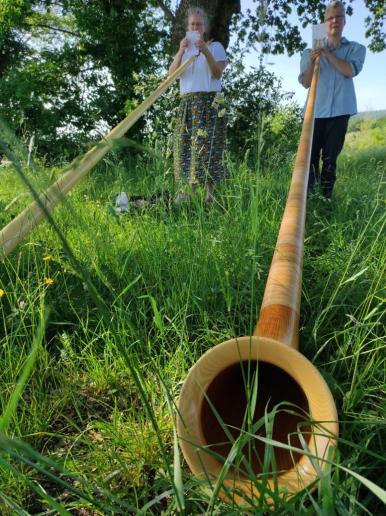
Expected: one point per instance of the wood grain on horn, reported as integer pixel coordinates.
(280, 309)
(228, 394)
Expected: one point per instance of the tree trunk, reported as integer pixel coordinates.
(219, 13)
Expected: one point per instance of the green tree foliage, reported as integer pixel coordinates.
(78, 71)
(255, 102)
(376, 24)
(11, 46)
(12, 14)
(122, 37)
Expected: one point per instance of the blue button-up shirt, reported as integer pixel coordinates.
(335, 94)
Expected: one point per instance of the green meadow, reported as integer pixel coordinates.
(102, 315)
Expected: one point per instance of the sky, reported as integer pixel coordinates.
(370, 84)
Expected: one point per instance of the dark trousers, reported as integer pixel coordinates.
(327, 142)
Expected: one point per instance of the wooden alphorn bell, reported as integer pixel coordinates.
(213, 406)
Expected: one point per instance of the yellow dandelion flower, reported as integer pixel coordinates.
(48, 258)
(1, 293)
(48, 281)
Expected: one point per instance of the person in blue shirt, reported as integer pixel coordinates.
(340, 61)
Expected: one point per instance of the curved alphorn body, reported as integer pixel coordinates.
(217, 385)
(20, 226)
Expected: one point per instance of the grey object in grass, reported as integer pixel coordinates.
(121, 203)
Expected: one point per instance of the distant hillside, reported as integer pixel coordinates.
(371, 114)
(367, 120)
(367, 132)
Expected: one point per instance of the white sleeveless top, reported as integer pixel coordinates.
(198, 77)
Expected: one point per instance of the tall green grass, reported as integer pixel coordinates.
(88, 392)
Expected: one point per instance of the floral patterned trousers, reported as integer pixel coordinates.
(199, 139)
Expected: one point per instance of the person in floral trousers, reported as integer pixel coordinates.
(200, 134)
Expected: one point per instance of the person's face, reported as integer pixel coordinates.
(196, 23)
(335, 21)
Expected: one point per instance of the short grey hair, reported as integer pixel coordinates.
(335, 5)
(199, 12)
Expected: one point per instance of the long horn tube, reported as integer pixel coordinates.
(216, 406)
(20, 226)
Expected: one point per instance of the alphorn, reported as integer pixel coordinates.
(20, 226)
(215, 400)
